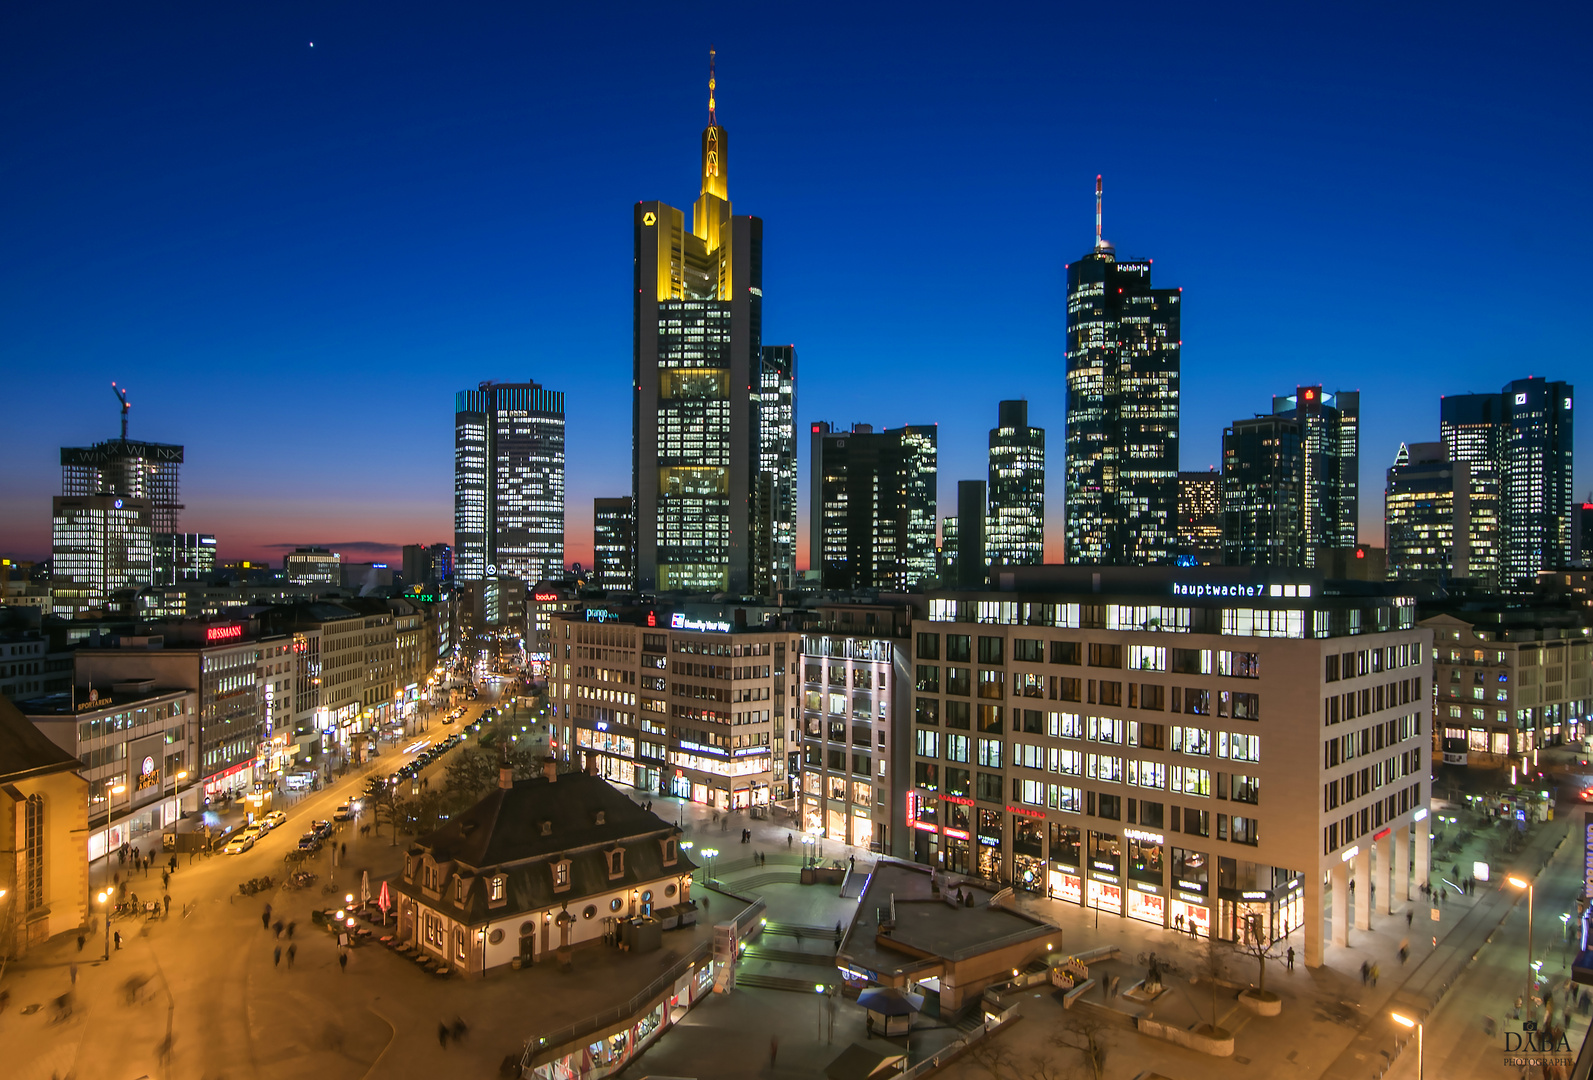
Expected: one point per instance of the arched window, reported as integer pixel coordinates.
(33, 853)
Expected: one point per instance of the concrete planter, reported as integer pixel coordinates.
(1218, 1042)
(1261, 1002)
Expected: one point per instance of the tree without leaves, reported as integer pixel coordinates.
(1085, 1033)
(992, 1057)
(1253, 944)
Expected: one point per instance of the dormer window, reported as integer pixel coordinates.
(561, 875)
(671, 852)
(497, 888)
(616, 863)
(547, 828)
(459, 890)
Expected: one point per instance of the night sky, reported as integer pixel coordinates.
(293, 255)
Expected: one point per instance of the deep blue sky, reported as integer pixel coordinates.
(294, 255)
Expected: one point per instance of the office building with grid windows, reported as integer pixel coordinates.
(1214, 749)
(1016, 530)
(872, 509)
(508, 482)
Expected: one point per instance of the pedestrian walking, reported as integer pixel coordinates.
(118, 937)
(442, 1034)
(1409, 915)
(342, 962)
(291, 925)
(774, 1049)
(293, 950)
(1366, 972)
(277, 926)
(1375, 972)
(81, 938)
(265, 918)
(459, 1029)
(73, 969)
(344, 852)
(165, 879)
(1291, 958)
(788, 841)
(167, 899)
(276, 956)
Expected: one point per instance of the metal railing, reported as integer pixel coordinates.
(951, 1050)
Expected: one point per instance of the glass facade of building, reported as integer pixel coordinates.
(1200, 518)
(1263, 493)
(777, 457)
(614, 544)
(1123, 347)
(1016, 532)
(1330, 461)
(873, 508)
(101, 543)
(509, 482)
(1441, 518)
(140, 470)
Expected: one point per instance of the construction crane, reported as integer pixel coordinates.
(121, 395)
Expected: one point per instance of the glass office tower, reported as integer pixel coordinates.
(509, 482)
(1016, 529)
(1263, 493)
(1123, 342)
(1441, 518)
(777, 457)
(1524, 435)
(872, 514)
(131, 468)
(1330, 458)
(614, 544)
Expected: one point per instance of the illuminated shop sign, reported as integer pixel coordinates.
(223, 633)
(1025, 812)
(600, 615)
(1208, 589)
(956, 834)
(544, 597)
(1148, 837)
(678, 621)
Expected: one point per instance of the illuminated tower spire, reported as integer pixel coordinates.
(715, 145)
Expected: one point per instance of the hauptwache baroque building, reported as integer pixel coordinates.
(1216, 749)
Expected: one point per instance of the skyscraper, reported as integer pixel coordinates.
(872, 513)
(1123, 341)
(131, 468)
(698, 390)
(509, 482)
(1200, 518)
(973, 556)
(183, 557)
(1330, 458)
(1524, 434)
(1441, 518)
(101, 543)
(1017, 487)
(614, 544)
(777, 456)
(1263, 493)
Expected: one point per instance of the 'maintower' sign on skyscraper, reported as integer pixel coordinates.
(699, 307)
(1122, 408)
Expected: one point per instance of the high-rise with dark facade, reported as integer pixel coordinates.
(777, 457)
(1016, 533)
(614, 544)
(698, 295)
(1524, 434)
(1123, 342)
(872, 514)
(509, 482)
(1330, 460)
(1263, 493)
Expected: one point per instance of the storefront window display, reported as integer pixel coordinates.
(1028, 836)
(1104, 896)
(1190, 918)
(1105, 852)
(957, 855)
(1029, 873)
(1144, 856)
(1065, 886)
(1146, 907)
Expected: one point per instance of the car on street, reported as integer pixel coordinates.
(240, 842)
(310, 841)
(323, 828)
(344, 812)
(273, 819)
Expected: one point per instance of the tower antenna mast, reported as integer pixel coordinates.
(1098, 241)
(712, 121)
(121, 395)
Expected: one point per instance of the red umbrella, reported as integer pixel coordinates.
(383, 900)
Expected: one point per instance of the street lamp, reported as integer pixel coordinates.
(1406, 1021)
(1529, 886)
(105, 907)
(709, 853)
